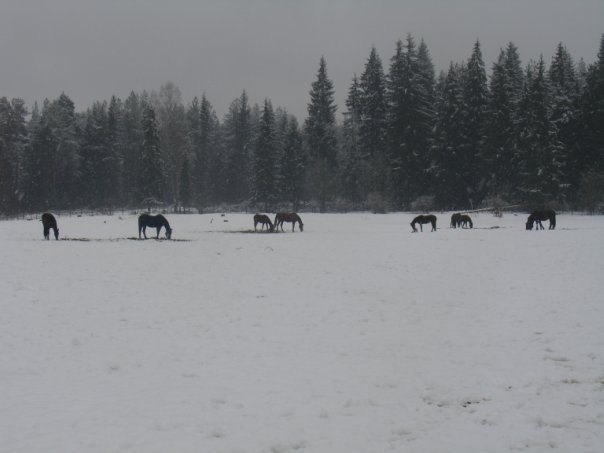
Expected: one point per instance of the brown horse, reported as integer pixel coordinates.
(423, 219)
(539, 215)
(49, 222)
(455, 220)
(153, 221)
(464, 220)
(288, 217)
(265, 221)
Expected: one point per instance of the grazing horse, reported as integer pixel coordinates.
(464, 220)
(48, 222)
(422, 219)
(539, 215)
(455, 220)
(153, 221)
(265, 221)
(288, 217)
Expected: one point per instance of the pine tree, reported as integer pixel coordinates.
(448, 163)
(185, 183)
(239, 135)
(475, 117)
(205, 136)
(540, 153)
(112, 162)
(591, 155)
(504, 97)
(410, 119)
(13, 141)
(151, 165)
(320, 132)
(131, 139)
(293, 165)
(263, 162)
(373, 123)
(53, 160)
(93, 152)
(172, 131)
(354, 172)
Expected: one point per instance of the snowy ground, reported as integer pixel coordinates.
(353, 336)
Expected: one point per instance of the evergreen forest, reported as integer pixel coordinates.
(529, 134)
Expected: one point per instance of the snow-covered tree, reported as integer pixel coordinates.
(540, 157)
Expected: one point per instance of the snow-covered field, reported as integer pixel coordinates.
(353, 336)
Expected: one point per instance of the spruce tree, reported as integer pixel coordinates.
(500, 147)
(373, 125)
(410, 119)
(448, 164)
(184, 182)
(591, 155)
(540, 153)
(13, 141)
(320, 132)
(93, 152)
(112, 163)
(204, 138)
(238, 130)
(293, 165)
(131, 140)
(263, 162)
(172, 130)
(354, 173)
(151, 165)
(475, 121)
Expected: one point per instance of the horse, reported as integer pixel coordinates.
(455, 220)
(464, 220)
(265, 221)
(539, 215)
(288, 217)
(153, 221)
(422, 219)
(48, 222)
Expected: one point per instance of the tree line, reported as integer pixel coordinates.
(408, 139)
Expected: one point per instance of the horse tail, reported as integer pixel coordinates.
(553, 220)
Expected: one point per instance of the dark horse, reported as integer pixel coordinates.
(539, 215)
(455, 220)
(459, 220)
(48, 222)
(422, 219)
(288, 217)
(464, 220)
(265, 221)
(153, 221)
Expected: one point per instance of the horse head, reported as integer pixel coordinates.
(529, 223)
(168, 232)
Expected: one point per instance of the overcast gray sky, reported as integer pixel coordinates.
(92, 49)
